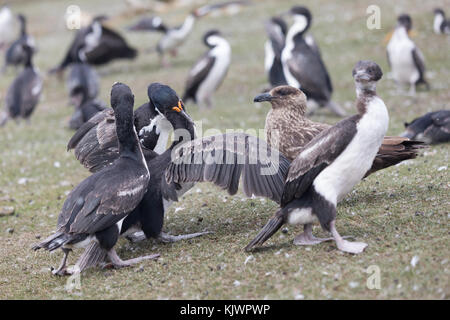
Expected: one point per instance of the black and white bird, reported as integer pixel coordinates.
(85, 107)
(330, 165)
(173, 38)
(24, 93)
(7, 26)
(95, 143)
(276, 30)
(146, 220)
(208, 72)
(94, 211)
(432, 127)
(96, 45)
(404, 57)
(16, 54)
(303, 66)
(441, 25)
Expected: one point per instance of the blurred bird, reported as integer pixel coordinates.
(96, 45)
(441, 25)
(94, 211)
(404, 57)
(85, 107)
(24, 93)
(276, 30)
(16, 54)
(208, 72)
(303, 66)
(433, 127)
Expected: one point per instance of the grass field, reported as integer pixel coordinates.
(402, 213)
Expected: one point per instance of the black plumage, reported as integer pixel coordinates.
(85, 107)
(82, 75)
(276, 30)
(96, 45)
(94, 209)
(433, 127)
(24, 93)
(95, 142)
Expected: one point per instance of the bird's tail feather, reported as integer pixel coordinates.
(267, 231)
(53, 242)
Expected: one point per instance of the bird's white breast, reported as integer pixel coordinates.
(400, 49)
(286, 54)
(222, 55)
(438, 19)
(352, 164)
(269, 56)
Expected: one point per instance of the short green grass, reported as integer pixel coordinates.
(401, 212)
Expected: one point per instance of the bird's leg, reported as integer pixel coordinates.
(164, 62)
(119, 263)
(62, 270)
(307, 238)
(167, 238)
(312, 107)
(344, 245)
(173, 52)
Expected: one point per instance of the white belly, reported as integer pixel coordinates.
(216, 74)
(403, 68)
(339, 178)
(301, 216)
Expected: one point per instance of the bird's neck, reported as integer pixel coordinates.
(23, 28)
(188, 23)
(126, 134)
(365, 92)
(438, 19)
(400, 33)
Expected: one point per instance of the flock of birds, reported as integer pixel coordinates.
(306, 167)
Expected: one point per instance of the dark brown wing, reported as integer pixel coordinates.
(395, 150)
(223, 159)
(104, 198)
(419, 62)
(316, 156)
(95, 142)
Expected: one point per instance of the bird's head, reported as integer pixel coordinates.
(166, 102)
(302, 17)
(405, 21)
(212, 38)
(366, 73)
(284, 97)
(121, 98)
(439, 12)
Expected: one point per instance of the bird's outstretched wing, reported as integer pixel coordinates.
(223, 159)
(317, 154)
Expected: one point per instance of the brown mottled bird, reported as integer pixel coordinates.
(288, 129)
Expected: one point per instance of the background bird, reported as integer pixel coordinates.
(441, 25)
(405, 58)
(303, 66)
(432, 127)
(208, 72)
(24, 93)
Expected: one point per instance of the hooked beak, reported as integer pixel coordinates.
(180, 110)
(263, 97)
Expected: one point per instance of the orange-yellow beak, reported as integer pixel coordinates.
(178, 108)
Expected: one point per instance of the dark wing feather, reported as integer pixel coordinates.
(223, 159)
(95, 142)
(320, 152)
(197, 74)
(419, 62)
(316, 82)
(104, 198)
